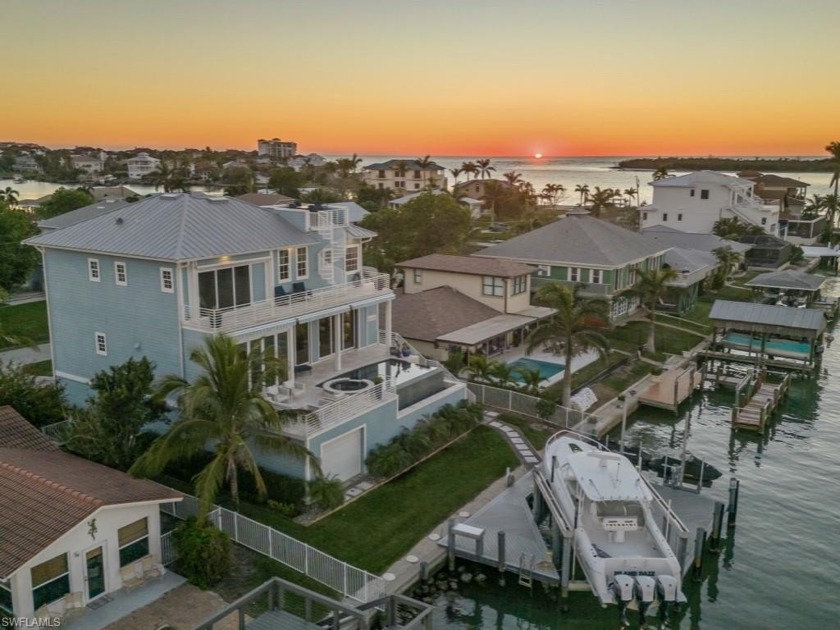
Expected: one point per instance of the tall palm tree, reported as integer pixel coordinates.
(224, 408)
(469, 168)
(552, 193)
(9, 195)
(494, 196)
(834, 149)
(423, 163)
(484, 167)
(661, 173)
(583, 190)
(652, 284)
(572, 330)
(455, 173)
(632, 193)
(727, 259)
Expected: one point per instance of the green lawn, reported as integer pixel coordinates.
(624, 378)
(383, 525)
(25, 320)
(42, 368)
(700, 312)
(668, 340)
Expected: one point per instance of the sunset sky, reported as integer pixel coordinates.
(439, 77)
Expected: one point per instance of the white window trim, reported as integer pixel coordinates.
(298, 274)
(574, 271)
(418, 276)
(281, 277)
(97, 277)
(544, 271)
(357, 257)
(96, 336)
(117, 264)
(171, 272)
(600, 274)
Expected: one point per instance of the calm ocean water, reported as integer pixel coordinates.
(781, 568)
(570, 172)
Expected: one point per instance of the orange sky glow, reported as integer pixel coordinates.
(571, 78)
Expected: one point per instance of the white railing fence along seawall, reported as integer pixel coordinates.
(349, 581)
(524, 404)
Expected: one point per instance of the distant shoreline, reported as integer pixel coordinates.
(770, 165)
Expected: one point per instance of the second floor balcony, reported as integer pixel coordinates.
(301, 301)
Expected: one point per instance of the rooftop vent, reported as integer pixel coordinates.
(119, 221)
(217, 199)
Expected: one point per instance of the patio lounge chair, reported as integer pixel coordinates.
(279, 292)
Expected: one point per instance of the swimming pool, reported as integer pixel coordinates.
(782, 347)
(546, 369)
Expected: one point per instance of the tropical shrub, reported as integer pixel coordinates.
(326, 492)
(429, 434)
(204, 552)
(40, 404)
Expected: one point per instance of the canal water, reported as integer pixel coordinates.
(781, 565)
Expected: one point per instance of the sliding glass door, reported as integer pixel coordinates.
(225, 288)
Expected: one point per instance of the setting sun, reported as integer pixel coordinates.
(538, 155)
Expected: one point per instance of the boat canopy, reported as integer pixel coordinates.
(606, 476)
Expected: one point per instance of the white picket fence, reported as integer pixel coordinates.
(517, 402)
(349, 581)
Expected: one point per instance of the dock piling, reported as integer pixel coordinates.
(717, 526)
(732, 508)
(502, 562)
(682, 548)
(450, 544)
(565, 573)
(424, 571)
(699, 546)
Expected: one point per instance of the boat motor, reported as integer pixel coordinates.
(668, 593)
(623, 587)
(645, 594)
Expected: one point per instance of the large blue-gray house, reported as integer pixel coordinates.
(156, 277)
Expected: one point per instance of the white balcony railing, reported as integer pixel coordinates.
(287, 306)
(342, 410)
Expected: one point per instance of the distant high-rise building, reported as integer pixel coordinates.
(276, 149)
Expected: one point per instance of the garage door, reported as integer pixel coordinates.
(342, 456)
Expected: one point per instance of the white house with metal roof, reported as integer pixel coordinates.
(694, 202)
(595, 257)
(141, 165)
(156, 277)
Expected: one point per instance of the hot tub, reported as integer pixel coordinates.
(345, 385)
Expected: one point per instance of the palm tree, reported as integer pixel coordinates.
(478, 368)
(727, 259)
(223, 407)
(10, 196)
(494, 195)
(501, 372)
(661, 173)
(513, 178)
(455, 173)
(423, 163)
(601, 199)
(584, 192)
(632, 193)
(552, 193)
(834, 149)
(484, 167)
(652, 284)
(469, 168)
(572, 330)
(531, 379)
(731, 228)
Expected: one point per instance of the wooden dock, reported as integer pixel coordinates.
(785, 364)
(672, 388)
(762, 403)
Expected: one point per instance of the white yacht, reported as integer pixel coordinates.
(616, 539)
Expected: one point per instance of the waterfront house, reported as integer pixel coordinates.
(404, 175)
(276, 149)
(465, 303)
(156, 277)
(90, 165)
(141, 165)
(594, 257)
(72, 530)
(694, 202)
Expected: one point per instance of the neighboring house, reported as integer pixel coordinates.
(404, 175)
(81, 214)
(107, 193)
(90, 165)
(694, 202)
(694, 268)
(157, 277)
(477, 188)
(265, 200)
(473, 204)
(312, 159)
(476, 305)
(594, 257)
(26, 164)
(72, 530)
(672, 237)
(276, 149)
(141, 165)
(766, 251)
(794, 225)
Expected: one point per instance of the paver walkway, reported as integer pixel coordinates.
(526, 453)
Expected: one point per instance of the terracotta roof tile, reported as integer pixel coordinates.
(17, 432)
